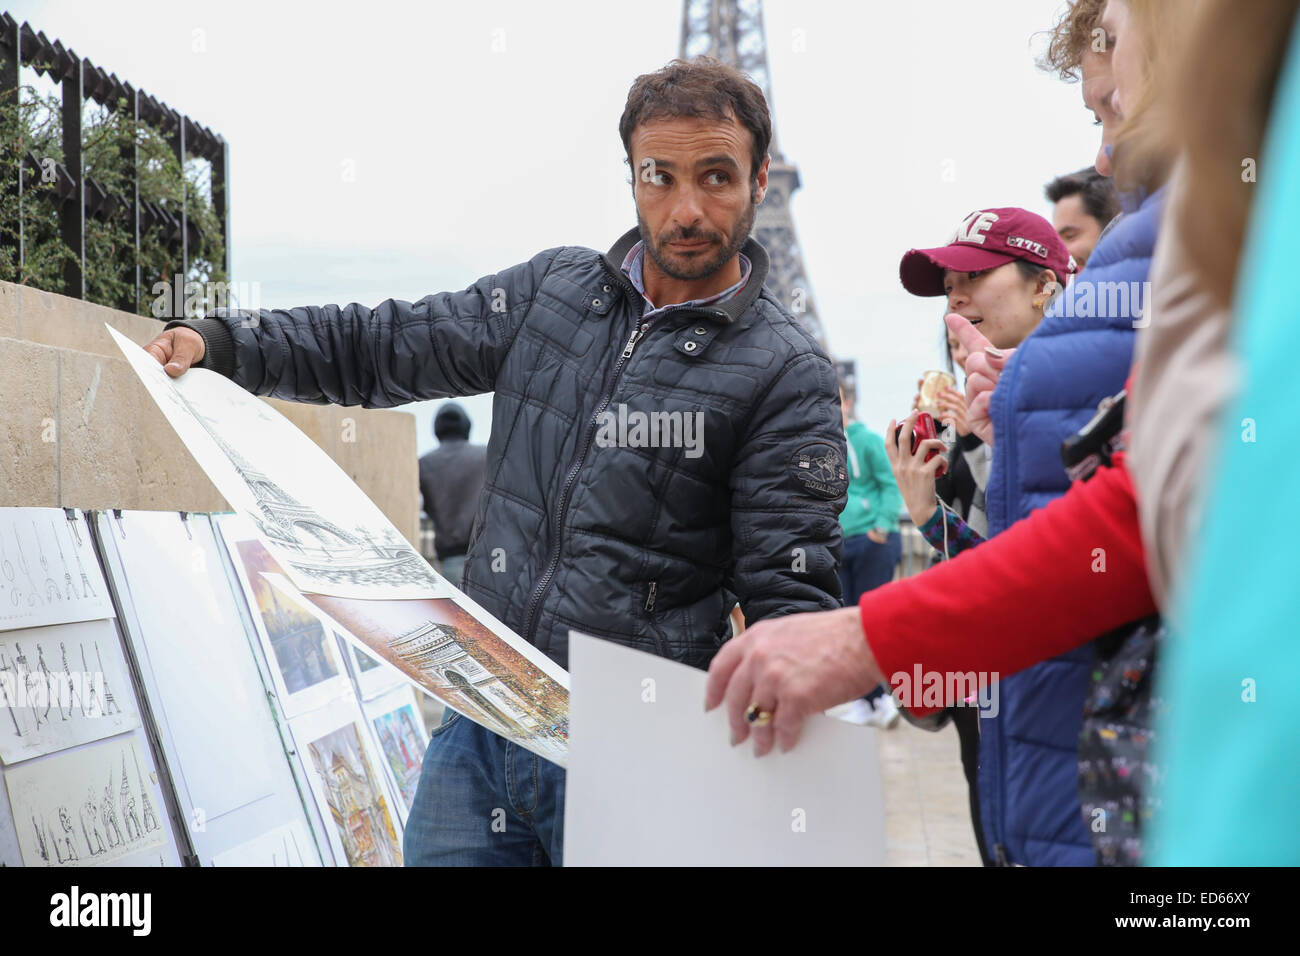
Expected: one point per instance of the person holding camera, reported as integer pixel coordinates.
(998, 273)
(1006, 294)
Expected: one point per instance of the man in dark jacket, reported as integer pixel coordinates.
(666, 437)
(451, 478)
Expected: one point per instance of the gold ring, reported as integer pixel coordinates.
(757, 717)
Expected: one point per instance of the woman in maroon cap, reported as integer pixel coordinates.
(999, 271)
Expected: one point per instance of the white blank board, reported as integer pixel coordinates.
(654, 781)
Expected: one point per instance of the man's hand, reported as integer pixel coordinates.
(915, 475)
(793, 667)
(878, 535)
(177, 349)
(984, 365)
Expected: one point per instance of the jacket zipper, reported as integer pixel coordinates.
(639, 330)
(650, 597)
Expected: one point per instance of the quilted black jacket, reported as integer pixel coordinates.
(586, 520)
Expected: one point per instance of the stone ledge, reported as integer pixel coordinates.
(78, 430)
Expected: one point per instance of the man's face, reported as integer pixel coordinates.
(1078, 229)
(1126, 54)
(694, 203)
(1098, 97)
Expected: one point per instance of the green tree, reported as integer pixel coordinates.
(34, 127)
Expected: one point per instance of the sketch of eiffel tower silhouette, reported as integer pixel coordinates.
(146, 805)
(110, 704)
(67, 572)
(127, 803)
(5, 667)
(321, 547)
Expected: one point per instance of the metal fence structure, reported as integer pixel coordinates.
(80, 196)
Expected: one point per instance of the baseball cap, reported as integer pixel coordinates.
(988, 238)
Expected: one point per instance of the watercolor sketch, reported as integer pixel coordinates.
(356, 799)
(442, 648)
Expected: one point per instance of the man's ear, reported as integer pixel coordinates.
(761, 180)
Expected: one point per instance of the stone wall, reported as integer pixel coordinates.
(78, 430)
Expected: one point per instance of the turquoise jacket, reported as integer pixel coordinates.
(874, 501)
(1230, 738)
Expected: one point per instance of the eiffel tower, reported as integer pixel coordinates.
(732, 31)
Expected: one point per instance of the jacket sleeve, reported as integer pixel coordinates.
(1066, 574)
(948, 534)
(788, 485)
(450, 343)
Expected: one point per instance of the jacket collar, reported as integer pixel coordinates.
(733, 308)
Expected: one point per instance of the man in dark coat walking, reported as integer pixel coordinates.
(451, 478)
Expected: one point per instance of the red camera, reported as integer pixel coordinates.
(922, 429)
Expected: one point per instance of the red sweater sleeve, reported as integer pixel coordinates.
(1070, 572)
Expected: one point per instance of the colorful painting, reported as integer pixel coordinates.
(447, 651)
(356, 800)
(403, 743)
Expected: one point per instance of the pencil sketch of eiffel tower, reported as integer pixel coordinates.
(732, 31)
(322, 548)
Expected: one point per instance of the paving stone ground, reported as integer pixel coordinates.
(927, 813)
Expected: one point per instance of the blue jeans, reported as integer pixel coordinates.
(483, 801)
(864, 567)
(867, 565)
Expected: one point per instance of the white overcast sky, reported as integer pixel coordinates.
(478, 134)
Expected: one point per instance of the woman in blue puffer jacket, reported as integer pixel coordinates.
(1049, 388)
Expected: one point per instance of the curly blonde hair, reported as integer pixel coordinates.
(1070, 38)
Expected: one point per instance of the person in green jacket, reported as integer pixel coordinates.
(872, 543)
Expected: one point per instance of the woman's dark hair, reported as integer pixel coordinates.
(702, 87)
(1031, 270)
(1097, 192)
(947, 352)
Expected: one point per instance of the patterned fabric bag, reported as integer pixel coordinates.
(1116, 775)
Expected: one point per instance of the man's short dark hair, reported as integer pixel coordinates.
(702, 87)
(1100, 200)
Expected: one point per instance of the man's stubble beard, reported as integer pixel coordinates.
(703, 270)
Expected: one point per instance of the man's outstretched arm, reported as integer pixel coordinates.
(450, 343)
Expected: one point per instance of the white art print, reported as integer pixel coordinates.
(90, 806)
(48, 570)
(60, 686)
(318, 525)
(200, 679)
(286, 845)
(654, 781)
